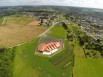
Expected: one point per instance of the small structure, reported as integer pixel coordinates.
(35, 23)
(49, 48)
(48, 45)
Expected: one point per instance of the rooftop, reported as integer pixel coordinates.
(49, 46)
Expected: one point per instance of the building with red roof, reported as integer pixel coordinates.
(49, 48)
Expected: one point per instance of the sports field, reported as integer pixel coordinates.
(17, 29)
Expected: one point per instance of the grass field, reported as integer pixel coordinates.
(92, 66)
(57, 32)
(1, 21)
(23, 66)
(29, 65)
(78, 51)
(16, 30)
(86, 67)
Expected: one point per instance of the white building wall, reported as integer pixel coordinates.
(55, 50)
(49, 53)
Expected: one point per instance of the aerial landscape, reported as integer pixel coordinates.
(50, 41)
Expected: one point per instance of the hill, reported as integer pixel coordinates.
(17, 29)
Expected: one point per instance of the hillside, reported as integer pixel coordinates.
(26, 32)
(18, 29)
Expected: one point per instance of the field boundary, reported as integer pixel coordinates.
(34, 37)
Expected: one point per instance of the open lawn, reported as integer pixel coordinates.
(87, 63)
(17, 29)
(78, 51)
(86, 67)
(57, 32)
(29, 65)
(23, 66)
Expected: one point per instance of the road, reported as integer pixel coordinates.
(53, 24)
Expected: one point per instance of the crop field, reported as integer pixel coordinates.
(16, 30)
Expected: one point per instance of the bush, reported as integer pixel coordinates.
(6, 62)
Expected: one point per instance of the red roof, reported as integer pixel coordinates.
(48, 47)
(35, 23)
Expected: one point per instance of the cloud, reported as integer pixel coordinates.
(80, 3)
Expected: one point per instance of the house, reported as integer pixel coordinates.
(49, 48)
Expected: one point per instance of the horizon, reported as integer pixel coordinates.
(52, 6)
(71, 3)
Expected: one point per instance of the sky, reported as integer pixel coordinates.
(78, 3)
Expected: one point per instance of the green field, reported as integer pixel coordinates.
(57, 32)
(86, 67)
(19, 56)
(83, 67)
(23, 66)
(23, 61)
(1, 20)
(78, 51)
(27, 64)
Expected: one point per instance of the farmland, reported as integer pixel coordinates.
(17, 27)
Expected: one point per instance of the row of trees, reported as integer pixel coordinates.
(84, 40)
(6, 62)
(74, 33)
